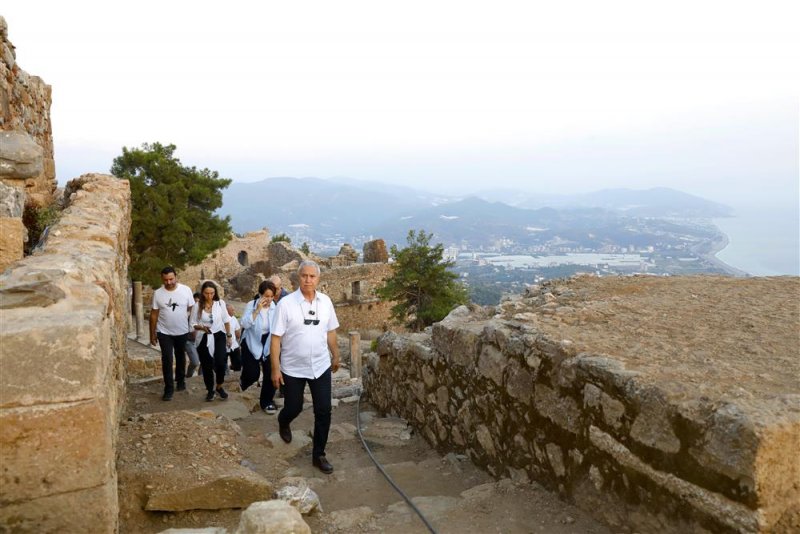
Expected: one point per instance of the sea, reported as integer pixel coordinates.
(762, 242)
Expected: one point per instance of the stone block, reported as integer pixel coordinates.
(20, 156)
(652, 427)
(561, 410)
(491, 363)
(72, 356)
(236, 489)
(13, 235)
(56, 448)
(89, 510)
(519, 382)
(375, 251)
(272, 517)
(12, 201)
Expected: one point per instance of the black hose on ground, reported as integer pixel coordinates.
(383, 471)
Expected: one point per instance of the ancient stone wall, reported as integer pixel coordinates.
(657, 404)
(25, 109)
(62, 353)
(228, 262)
(352, 290)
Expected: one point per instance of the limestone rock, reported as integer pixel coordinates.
(20, 156)
(33, 294)
(13, 235)
(236, 489)
(297, 493)
(272, 517)
(12, 201)
(390, 431)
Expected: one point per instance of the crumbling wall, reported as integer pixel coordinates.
(657, 404)
(26, 158)
(62, 353)
(352, 290)
(226, 263)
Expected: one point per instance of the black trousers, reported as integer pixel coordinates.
(321, 396)
(213, 365)
(252, 369)
(169, 345)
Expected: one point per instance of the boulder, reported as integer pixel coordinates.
(236, 489)
(20, 156)
(272, 517)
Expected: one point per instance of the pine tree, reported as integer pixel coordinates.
(173, 221)
(421, 284)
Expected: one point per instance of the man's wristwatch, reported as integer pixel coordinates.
(228, 335)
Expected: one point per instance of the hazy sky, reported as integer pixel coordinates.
(563, 96)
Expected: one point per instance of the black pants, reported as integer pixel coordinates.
(252, 369)
(293, 404)
(236, 359)
(169, 345)
(213, 365)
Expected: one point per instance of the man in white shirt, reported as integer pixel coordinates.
(304, 351)
(169, 328)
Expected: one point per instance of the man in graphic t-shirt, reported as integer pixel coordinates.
(169, 328)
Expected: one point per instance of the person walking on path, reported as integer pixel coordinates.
(279, 291)
(213, 324)
(169, 328)
(257, 321)
(191, 349)
(303, 350)
(234, 351)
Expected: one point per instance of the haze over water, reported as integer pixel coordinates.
(763, 242)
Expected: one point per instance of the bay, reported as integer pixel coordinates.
(762, 241)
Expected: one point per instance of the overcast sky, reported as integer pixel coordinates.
(562, 96)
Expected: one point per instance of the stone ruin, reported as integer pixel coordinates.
(62, 354)
(27, 168)
(656, 404)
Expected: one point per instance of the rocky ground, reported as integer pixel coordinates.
(192, 464)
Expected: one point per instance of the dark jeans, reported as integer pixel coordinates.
(293, 404)
(251, 370)
(169, 345)
(213, 365)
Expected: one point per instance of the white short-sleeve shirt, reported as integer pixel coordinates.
(173, 309)
(304, 347)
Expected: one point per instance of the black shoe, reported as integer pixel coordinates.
(181, 387)
(322, 463)
(271, 409)
(222, 393)
(167, 396)
(285, 432)
(210, 396)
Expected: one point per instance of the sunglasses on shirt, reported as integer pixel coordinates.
(307, 322)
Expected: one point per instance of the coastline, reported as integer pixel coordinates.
(717, 246)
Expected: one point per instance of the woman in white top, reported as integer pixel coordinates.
(213, 325)
(257, 322)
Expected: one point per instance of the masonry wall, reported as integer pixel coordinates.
(62, 353)
(352, 290)
(637, 453)
(25, 108)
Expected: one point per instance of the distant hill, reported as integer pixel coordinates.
(655, 202)
(347, 210)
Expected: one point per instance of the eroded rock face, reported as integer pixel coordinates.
(26, 140)
(674, 399)
(20, 156)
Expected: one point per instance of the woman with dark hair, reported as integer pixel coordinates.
(256, 322)
(210, 318)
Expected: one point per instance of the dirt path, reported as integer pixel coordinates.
(454, 495)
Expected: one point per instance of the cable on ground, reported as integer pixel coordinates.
(383, 471)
